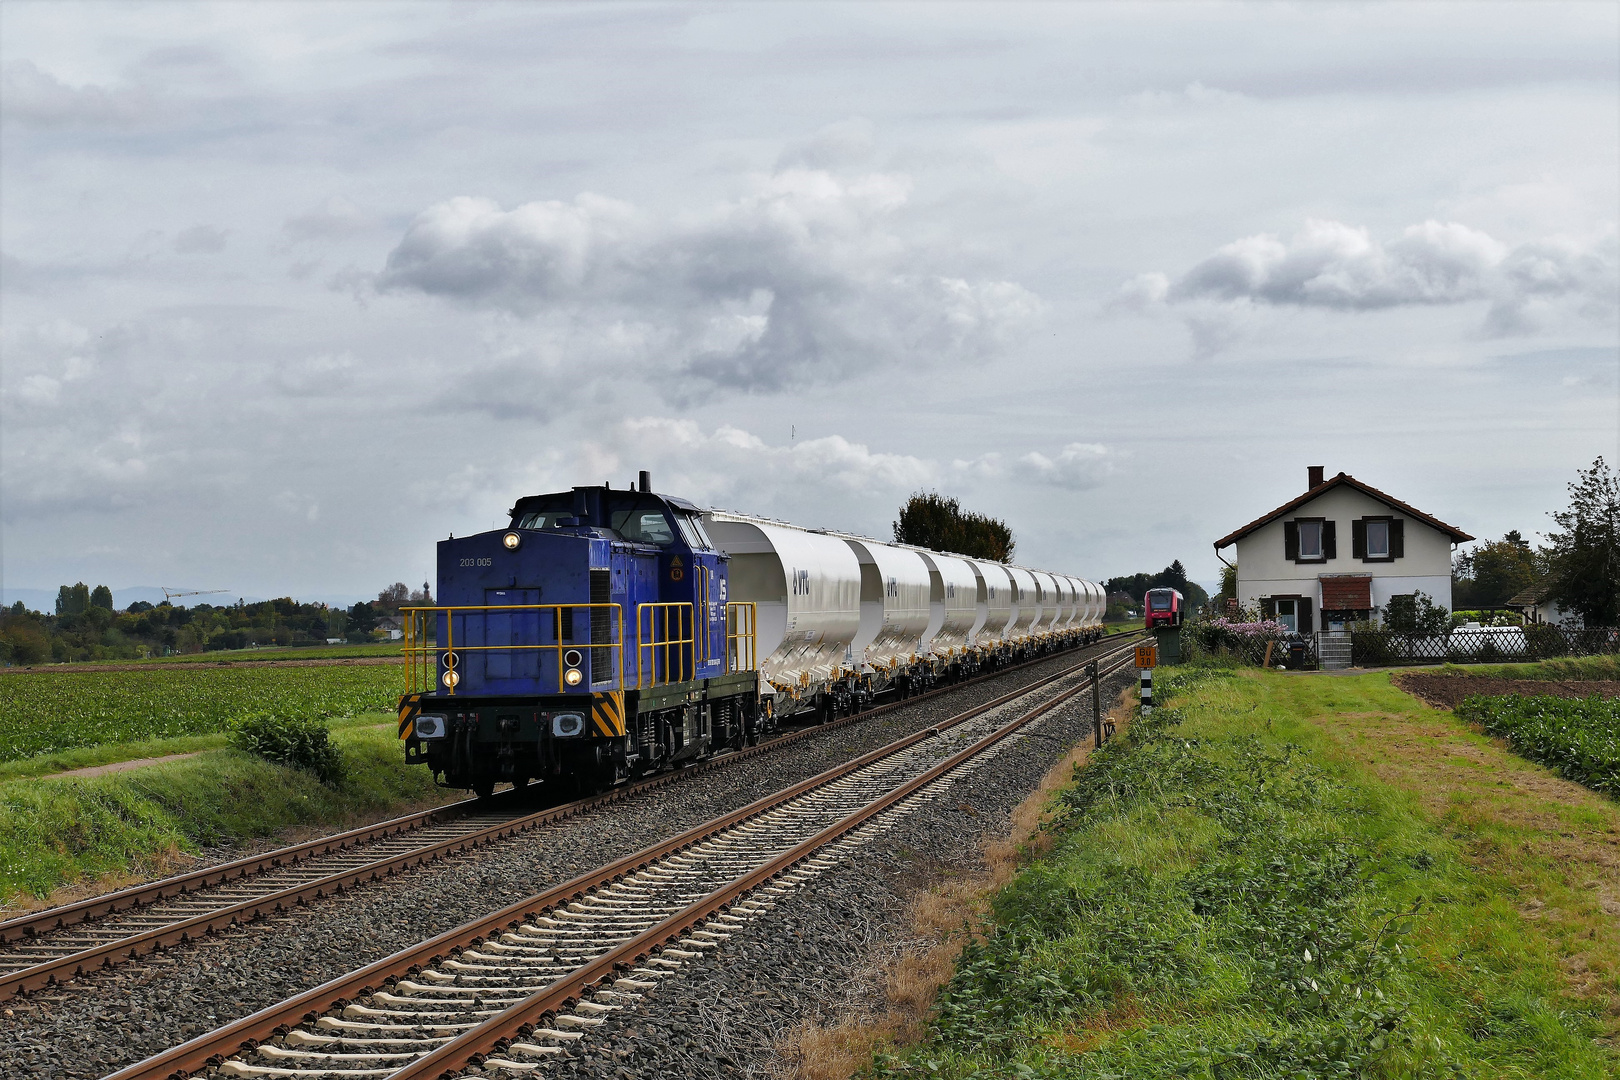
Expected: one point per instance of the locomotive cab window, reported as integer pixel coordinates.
(1158, 601)
(692, 532)
(643, 527)
(543, 513)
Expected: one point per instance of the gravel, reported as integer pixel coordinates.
(100, 1023)
(725, 1016)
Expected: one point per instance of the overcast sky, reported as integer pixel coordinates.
(291, 291)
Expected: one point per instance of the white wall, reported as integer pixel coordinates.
(1263, 571)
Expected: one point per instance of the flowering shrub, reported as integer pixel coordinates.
(1244, 641)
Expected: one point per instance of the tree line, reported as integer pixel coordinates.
(1578, 567)
(85, 626)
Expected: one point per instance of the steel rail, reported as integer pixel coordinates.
(493, 1034)
(212, 1048)
(61, 969)
(59, 918)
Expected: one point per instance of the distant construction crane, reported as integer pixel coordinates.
(170, 594)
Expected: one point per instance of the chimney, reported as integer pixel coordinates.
(1312, 472)
(644, 483)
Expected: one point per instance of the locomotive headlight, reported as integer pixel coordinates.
(573, 676)
(511, 541)
(573, 658)
(430, 727)
(451, 678)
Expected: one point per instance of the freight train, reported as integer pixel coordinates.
(608, 633)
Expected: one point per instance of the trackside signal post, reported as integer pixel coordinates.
(1147, 658)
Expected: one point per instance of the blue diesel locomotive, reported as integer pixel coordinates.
(590, 641)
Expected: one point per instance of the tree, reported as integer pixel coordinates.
(422, 596)
(1584, 555)
(1416, 613)
(361, 620)
(396, 594)
(72, 599)
(1228, 583)
(1173, 576)
(101, 597)
(938, 522)
(1494, 572)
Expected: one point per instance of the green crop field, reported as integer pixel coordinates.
(1580, 737)
(49, 711)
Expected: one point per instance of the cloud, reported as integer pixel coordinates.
(200, 240)
(1334, 266)
(830, 480)
(33, 96)
(334, 219)
(806, 275)
(731, 464)
(842, 145)
(1078, 467)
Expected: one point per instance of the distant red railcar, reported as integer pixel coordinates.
(1164, 607)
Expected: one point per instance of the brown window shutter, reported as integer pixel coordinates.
(1291, 541)
(1358, 539)
(1330, 540)
(1397, 538)
(1305, 626)
(1268, 609)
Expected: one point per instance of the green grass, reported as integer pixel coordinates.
(1579, 737)
(1575, 668)
(56, 831)
(1230, 895)
(112, 753)
(48, 712)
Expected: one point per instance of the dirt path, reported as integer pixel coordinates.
(1557, 841)
(120, 766)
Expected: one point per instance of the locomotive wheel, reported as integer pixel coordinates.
(483, 786)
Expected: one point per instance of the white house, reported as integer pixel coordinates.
(1337, 553)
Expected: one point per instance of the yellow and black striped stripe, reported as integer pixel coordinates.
(607, 713)
(409, 706)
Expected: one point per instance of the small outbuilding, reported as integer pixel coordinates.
(1537, 607)
(1336, 555)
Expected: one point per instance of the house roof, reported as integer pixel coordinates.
(1532, 596)
(1456, 534)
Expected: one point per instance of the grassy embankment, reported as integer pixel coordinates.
(57, 831)
(1297, 876)
(65, 830)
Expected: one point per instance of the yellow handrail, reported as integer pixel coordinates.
(662, 647)
(742, 636)
(423, 655)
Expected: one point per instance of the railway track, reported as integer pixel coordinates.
(507, 991)
(58, 944)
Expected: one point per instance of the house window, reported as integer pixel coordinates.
(1377, 539)
(1288, 615)
(1310, 539)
